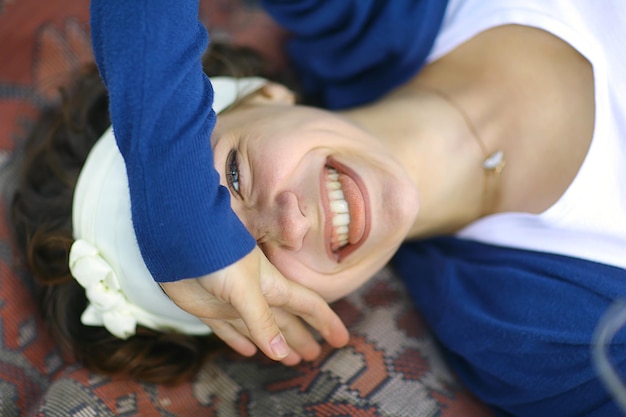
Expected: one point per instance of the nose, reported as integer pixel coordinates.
(280, 221)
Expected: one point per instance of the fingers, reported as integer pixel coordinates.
(303, 344)
(250, 303)
(260, 323)
(226, 322)
(191, 297)
(253, 303)
(240, 286)
(303, 302)
(312, 308)
(232, 337)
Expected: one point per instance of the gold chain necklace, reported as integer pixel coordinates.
(493, 163)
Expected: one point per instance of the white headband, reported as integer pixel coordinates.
(105, 258)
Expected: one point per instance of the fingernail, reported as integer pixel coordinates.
(279, 346)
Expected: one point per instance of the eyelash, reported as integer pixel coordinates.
(232, 172)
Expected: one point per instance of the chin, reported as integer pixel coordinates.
(348, 281)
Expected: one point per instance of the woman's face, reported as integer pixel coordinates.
(326, 202)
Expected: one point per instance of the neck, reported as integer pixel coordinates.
(432, 140)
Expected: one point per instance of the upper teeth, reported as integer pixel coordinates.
(339, 208)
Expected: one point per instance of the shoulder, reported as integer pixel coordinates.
(351, 52)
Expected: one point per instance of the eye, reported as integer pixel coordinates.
(232, 171)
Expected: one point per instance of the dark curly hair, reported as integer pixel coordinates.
(41, 218)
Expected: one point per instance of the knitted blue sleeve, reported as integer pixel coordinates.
(351, 52)
(149, 56)
(517, 325)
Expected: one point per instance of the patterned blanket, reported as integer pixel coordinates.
(390, 368)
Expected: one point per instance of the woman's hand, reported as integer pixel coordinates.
(250, 302)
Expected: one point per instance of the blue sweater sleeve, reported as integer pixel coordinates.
(351, 52)
(517, 325)
(149, 55)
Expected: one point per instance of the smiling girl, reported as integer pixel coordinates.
(489, 157)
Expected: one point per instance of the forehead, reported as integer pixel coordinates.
(253, 121)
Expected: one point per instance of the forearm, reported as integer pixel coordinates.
(149, 55)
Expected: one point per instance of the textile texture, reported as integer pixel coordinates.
(391, 366)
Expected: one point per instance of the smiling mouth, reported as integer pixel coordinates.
(347, 222)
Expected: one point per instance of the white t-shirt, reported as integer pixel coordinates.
(589, 219)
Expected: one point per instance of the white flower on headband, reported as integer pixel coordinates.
(108, 306)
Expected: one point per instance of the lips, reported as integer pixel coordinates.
(346, 228)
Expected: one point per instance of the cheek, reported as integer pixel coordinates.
(331, 284)
(293, 269)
